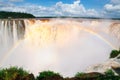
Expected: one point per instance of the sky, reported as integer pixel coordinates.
(71, 8)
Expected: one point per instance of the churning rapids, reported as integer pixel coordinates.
(66, 45)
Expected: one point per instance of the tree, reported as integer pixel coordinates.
(46, 74)
(11, 73)
(114, 53)
(4, 14)
(109, 72)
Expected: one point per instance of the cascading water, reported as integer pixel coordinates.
(10, 32)
(66, 46)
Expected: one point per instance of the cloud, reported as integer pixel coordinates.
(115, 1)
(7, 6)
(59, 9)
(15, 0)
(113, 8)
(76, 9)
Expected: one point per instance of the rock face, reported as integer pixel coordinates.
(113, 64)
(117, 70)
(115, 29)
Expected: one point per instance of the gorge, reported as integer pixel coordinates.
(62, 45)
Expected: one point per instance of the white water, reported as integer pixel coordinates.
(65, 46)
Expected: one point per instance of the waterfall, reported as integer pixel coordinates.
(115, 29)
(63, 45)
(11, 31)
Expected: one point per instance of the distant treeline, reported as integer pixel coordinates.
(4, 14)
(78, 17)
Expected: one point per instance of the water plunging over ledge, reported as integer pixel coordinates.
(62, 45)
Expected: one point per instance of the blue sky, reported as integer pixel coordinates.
(87, 3)
(80, 8)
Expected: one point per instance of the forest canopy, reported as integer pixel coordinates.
(4, 14)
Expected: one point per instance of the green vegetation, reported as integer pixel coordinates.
(109, 75)
(15, 73)
(109, 72)
(11, 73)
(46, 74)
(79, 74)
(114, 53)
(88, 76)
(4, 14)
